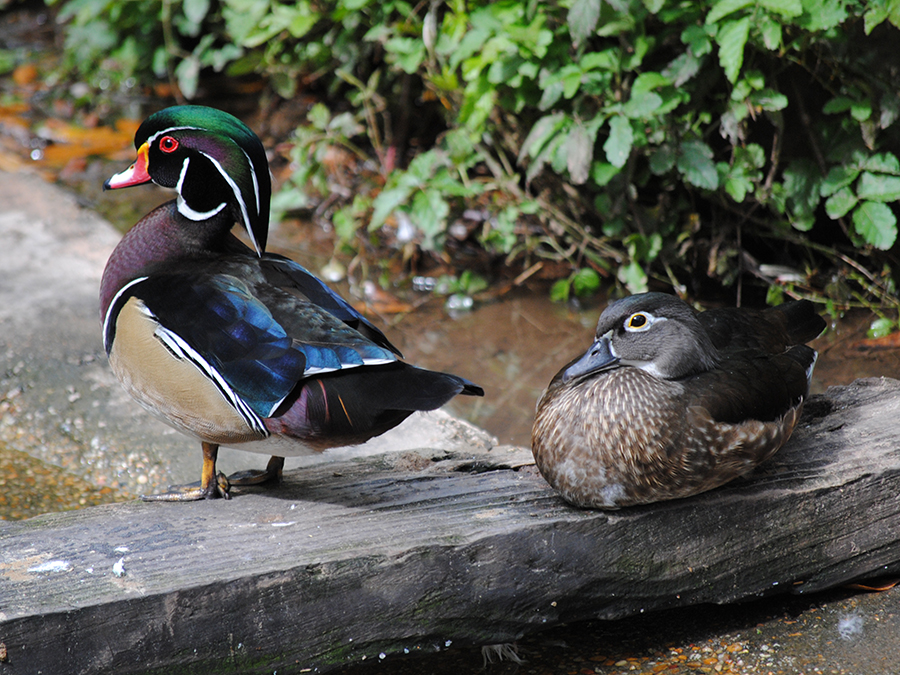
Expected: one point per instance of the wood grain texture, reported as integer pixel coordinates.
(412, 550)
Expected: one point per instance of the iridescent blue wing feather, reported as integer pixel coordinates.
(261, 346)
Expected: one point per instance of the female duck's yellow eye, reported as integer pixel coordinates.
(638, 321)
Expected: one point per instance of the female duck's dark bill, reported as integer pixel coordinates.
(598, 357)
(136, 174)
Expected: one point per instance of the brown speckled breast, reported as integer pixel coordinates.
(624, 437)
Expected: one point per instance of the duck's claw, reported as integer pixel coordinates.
(194, 491)
(272, 473)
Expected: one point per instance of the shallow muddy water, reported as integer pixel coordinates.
(513, 346)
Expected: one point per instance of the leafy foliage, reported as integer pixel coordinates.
(685, 141)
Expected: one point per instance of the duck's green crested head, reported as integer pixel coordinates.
(211, 158)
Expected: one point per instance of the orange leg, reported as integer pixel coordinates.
(211, 485)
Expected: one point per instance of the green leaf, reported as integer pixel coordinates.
(582, 19)
(822, 15)
(839, 204)
(662, 160)
(751, 155)
(725, 7)
(633, 276)
(289, 199)
(579, 153)
(696, 165)
(552, 92)
(787, 8)
(559, 292)
(571, 77)
(837, 178)
(188, 73)
(605, 60)
(195, 10)
(585, 282)
(642, 105)
(408, 53)
(345, 223)
(881, 327)
(874, 16)
(735, 181)
(654, 6)
(802, 182)
(878, 187)
(648, 81)
(883, 162)
(621, 137)
(602, 173)
(838, 104)
(697, 38)
(385, 204)
(774, 295)
(732, 37)
(543, 130)
(876, 223)
(770, 31)
(682, 68)
(768, 99)
(429, 213)
(861, 110)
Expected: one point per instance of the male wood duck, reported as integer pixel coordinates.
(668, 402)
(235, 346)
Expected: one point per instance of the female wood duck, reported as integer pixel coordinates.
(668, 402)
(234, 346)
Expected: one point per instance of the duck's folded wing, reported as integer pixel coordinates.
(761, 387)
(294, 278)
(262, 342)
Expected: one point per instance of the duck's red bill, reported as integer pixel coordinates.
(136, 174)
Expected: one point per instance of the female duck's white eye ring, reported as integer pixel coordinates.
(638, 322)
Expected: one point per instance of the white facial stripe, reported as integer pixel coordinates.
(238, 196)
(170, 130)
(183, 207)
(255, 182)
(188, 212)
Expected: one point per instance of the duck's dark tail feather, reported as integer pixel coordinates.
(351, 406)
(801, 322)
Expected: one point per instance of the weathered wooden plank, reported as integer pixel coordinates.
(410, 551)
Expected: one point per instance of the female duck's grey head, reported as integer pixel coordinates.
(655, 332)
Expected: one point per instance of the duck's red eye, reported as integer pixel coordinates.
(168, 144)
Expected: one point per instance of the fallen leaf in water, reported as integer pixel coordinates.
(13, 109)
(381, 302)
(25, 74)
(891, 341)
(69, 142)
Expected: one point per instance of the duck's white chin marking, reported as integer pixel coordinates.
(183, 207)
